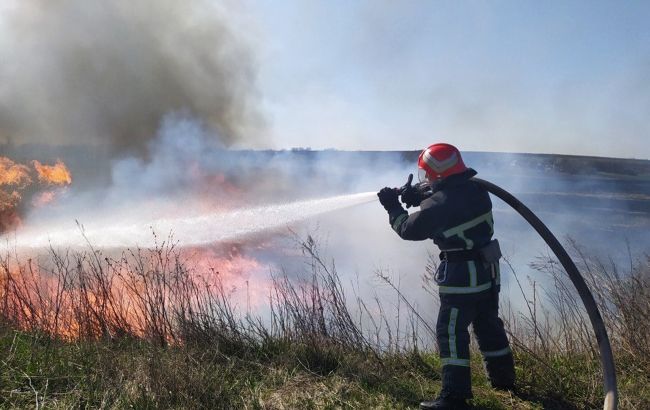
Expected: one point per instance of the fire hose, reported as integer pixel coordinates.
(605, 348)
(606, 355)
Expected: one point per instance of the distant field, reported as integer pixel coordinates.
(169, 327)
(598, 194)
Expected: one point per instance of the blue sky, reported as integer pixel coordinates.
(556, 76)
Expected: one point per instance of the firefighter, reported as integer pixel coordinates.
(457, 215)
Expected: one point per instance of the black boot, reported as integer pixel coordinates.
(504, 387)
(445, 403)
(501, 372)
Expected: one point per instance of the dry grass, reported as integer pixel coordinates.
(143, 329)
(554, 339)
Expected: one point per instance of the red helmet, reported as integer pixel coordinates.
(438, 161)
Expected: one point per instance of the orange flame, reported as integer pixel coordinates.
(56, 174)
(115, 298)
(15, 179)
(13, 174)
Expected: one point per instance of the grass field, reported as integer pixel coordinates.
(131, 373)
(143, 332)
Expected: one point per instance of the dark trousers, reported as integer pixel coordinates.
(480, 310)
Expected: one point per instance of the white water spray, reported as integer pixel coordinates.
(188, 231)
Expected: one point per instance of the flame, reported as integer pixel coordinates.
(13, 174)
(17, 183)
(56, 174)
(242, 274)
(116, 299)
(9, 218)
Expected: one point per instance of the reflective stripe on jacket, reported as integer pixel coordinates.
(457, 216)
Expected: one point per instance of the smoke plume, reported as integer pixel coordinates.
(106, 73)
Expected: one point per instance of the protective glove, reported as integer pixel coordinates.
(388, 199)
(411, 196)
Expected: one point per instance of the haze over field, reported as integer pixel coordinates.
(144, 103)
(233, 210)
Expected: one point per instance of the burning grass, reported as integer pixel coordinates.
(17, 182)
(144, 329)
(56, 174)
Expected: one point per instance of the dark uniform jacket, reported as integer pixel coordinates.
(458, 216)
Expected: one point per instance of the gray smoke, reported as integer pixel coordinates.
(106, 73)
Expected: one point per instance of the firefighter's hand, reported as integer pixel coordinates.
(411, 196)
(388, 198)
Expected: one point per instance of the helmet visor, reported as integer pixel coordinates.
(423, 176)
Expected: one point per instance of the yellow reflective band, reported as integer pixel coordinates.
(498, 281)
(497, 353)
(399, 220)
(454, 362)
(471, 266)
(451, 329)
(460, 229)
(464, 289)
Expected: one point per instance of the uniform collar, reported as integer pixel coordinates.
(453, 180)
